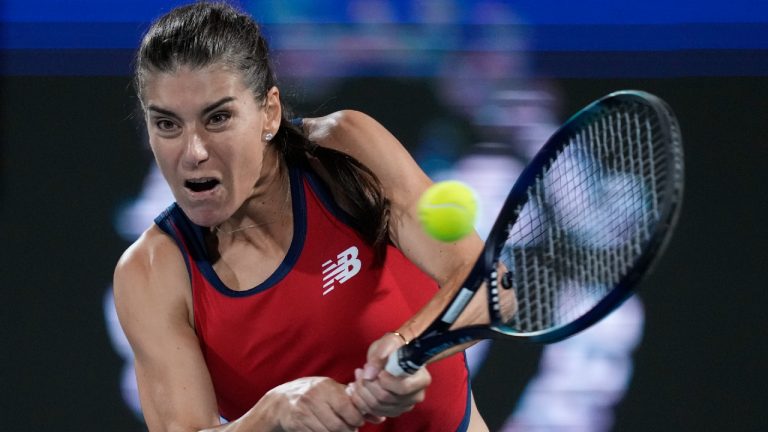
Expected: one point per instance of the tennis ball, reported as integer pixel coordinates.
(447, 210)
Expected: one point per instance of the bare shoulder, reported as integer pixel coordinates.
(151, 255)
(364, 138)
(352, 132)
(150, 278)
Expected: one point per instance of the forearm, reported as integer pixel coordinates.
(258, 419)
(475, 313)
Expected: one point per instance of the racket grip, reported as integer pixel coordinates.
(398, 365)
(393, 364)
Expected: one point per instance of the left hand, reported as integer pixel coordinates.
(377, 393)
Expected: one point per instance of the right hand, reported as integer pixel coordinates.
(313, 404)
(377, 392)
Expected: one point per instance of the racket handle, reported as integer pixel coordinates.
(394, 366)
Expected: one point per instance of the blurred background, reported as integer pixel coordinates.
(473, 89)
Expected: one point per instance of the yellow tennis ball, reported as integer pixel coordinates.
(447, 210)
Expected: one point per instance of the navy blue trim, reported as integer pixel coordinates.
(194, 236)
(168, 221)
(298, 204)
(164, 223)
(464, 425)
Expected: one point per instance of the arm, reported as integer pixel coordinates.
(404, 182)
(153, 302)
(362, 137)
(174, 386)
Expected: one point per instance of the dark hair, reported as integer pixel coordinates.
(203, 34)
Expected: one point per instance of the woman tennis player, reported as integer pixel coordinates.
(292, 262)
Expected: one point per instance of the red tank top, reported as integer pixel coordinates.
(315, 315)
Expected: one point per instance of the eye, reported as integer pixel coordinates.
(165, 125)
(219, 119)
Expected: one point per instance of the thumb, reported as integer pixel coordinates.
(378, 353)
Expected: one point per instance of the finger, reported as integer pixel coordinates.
(349, 413)
(363, 406)
(380, 394)
(354, 391)
(367, 401)
(371, 371)
(326, 402)
(395, 395)
(385, 404)
(308, 422)
(408, 385)
(329, 419)
(378, 353)
(371, 418)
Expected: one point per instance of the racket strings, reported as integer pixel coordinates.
(587, 218)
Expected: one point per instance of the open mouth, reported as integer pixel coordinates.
(201, 185)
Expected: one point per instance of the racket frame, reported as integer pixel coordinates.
(438, 338)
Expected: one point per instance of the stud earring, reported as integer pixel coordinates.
(268, 136)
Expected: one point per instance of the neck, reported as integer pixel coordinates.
(269, 203)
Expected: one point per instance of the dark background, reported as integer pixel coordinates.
(72, 154)
(76, 156)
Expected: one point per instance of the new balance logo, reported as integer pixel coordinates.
(345, 267)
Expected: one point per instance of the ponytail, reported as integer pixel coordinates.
(365, 199)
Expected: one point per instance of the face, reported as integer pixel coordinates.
(206, 131)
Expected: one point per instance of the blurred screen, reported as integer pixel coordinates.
(472, 88)
(560, 38)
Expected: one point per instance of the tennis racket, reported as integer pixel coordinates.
(581, 226)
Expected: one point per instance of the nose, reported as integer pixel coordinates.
(195, 151)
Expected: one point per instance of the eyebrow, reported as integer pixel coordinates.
(205, 110)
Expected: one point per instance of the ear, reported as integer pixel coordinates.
(272, 110)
